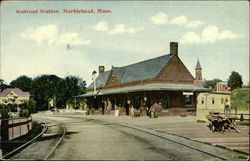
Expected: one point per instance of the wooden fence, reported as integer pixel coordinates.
(13, 128)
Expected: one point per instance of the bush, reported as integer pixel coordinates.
(240, 99)
(5, 113)
(30, 105)
(12, 107)
(24, 113)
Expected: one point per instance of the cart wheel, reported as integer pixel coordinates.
(209, 126)
(234, 122)
(222, 128)
(213, 128)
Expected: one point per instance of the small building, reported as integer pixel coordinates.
(163, 82)
(222, 87)
(211, 102)
(13, 96)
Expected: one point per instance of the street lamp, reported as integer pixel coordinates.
(93, 78)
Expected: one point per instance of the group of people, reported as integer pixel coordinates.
(151, 112)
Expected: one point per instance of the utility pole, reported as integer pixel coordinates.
(93, 78)
(75, 103)
(55, 104)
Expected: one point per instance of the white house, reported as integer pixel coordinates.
(13, 96)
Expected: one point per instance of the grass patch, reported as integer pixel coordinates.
(202, 121)
(240, 99)
(15, 143)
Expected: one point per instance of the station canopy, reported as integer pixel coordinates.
(147, 87)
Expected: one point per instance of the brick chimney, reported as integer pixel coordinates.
(174, 48)
(101, 69)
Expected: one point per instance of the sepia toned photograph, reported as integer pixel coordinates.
(124, 80)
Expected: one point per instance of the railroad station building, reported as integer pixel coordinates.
(163, 82)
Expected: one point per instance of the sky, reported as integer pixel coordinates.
(32, 44)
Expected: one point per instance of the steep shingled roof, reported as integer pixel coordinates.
(135, 72)
(17, 91)
(100, 80)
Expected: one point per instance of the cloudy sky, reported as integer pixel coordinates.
(77, 43)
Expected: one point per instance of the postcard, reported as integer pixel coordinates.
(124, 80)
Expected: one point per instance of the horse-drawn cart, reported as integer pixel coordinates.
(219, 122)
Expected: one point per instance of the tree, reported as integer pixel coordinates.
(212, 83)
(23, 82)
(3, 85)
(44, 88)
(235, 80)
(47, 87)
(71, 86)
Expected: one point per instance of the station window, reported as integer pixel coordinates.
(202, 101)
(222, 100)
(213, 101)
(189, 100)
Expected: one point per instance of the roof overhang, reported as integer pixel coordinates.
(148, 87)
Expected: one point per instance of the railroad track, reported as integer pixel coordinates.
(124, 129)
(157, 141)
(57, 144)
(199, 147)
(47, 142)
(13, 152)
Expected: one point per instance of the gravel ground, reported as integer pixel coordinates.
(88, 139)
(190, 128)
(41, 147)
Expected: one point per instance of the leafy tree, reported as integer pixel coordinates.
(69, 87)
(212, 83)
(47, 87)
(3, 85)
(23, 82)
(43, 88)
(235, 80)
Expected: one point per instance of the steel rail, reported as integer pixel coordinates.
(60, 140)
(142, 141)
(158, 135)
(154, 134)
(27, 143)
(176, 142)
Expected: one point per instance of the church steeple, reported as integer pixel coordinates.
(198, 71)
(198, 66)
